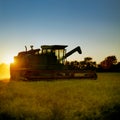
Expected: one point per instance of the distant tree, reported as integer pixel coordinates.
(82, 65)
(88, 63)
(75, 64)
(109, 62)
(87, 59)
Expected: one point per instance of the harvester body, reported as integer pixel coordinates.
(46, 63)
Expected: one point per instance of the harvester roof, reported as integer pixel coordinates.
(54, 47)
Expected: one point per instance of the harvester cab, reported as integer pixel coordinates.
(58, 50)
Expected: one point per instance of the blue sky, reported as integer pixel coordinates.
(92, 24)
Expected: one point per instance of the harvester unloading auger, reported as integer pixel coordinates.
(46, 63)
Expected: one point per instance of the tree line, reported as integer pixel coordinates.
(109, 64)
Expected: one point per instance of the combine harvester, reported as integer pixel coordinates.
(47, 63)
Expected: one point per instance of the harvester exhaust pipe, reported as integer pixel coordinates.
(25, 48)
(31, 47)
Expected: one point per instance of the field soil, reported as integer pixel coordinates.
(61, 99)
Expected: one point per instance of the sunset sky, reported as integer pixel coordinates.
(92, 24)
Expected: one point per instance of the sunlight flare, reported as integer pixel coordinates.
(8, 59)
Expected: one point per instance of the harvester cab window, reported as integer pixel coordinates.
(59, 53)
(44, 51)
(49, 51)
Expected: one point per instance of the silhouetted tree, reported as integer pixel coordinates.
(88, 64)
(109, 63)
(87, 59)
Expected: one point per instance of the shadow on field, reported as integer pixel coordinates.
(106, 113)
(110, 113)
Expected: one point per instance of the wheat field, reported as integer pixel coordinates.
(62, 99)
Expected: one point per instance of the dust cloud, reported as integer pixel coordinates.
(4, 71)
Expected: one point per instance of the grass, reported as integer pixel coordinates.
(62, 100)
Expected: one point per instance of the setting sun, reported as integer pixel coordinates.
(8, 59)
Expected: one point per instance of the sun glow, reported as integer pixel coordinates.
(8, 59)
(4, 72)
